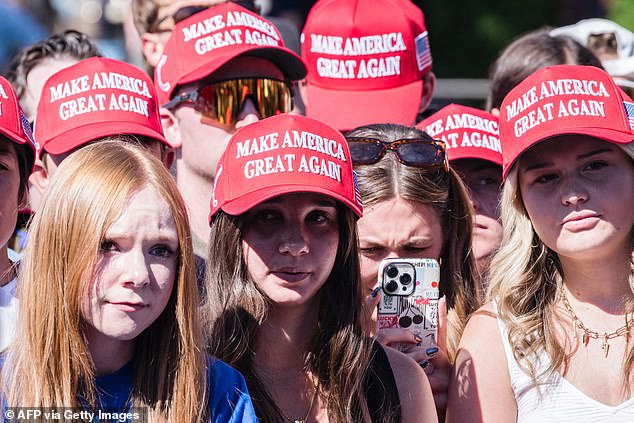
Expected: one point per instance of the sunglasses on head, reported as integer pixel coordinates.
(223, 101)
(410, 152)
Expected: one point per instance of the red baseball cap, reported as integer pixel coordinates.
(280, 155)
(564, 99)
(468, 133)
(13, 123)
(96, 98)
(366, 61)
(204, 42)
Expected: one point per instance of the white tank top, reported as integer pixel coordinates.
(555, 399)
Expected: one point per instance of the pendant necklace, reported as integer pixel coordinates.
(310, 408)
(589, 333)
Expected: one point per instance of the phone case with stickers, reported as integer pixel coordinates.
(409, 297)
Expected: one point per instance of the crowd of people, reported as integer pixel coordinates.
(204, 236)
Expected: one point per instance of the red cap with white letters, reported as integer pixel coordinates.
(96, 98)
(13, 123)
(467, 132)
(284, 154)
(366, 61)
(204, 42)
(564, 99)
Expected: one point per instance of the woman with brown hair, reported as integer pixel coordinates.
(284, 294)
(416, 206)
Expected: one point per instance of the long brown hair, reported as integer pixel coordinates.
(339, 355)
(49, 365)
(446, 194)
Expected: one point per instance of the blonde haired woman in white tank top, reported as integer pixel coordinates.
(553, 344)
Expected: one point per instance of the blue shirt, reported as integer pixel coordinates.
(229, 401)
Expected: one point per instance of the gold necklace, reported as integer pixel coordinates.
(310, 407)
(588, 333)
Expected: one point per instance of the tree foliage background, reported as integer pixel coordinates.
(467, 35)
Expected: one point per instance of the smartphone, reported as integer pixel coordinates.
(409, 299)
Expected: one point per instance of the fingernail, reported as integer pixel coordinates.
(418, 339)
(431, 351)
(375, 291)
(424, 364)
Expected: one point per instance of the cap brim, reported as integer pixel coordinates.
(13, 136)
(253, 198)
(84, 134)
(609, 135)
(348, 109)
(471, 154)
(290, 63)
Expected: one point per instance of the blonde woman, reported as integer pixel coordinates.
(108, 299)
(554, 345)
(285, 297)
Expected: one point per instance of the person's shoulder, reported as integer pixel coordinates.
(480, 389)
(413, 388)
(482, 325)
(408, 374)
(401, 363)
(481, 335)
(229, 399)
(220, 373)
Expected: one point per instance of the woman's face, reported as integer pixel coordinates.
(9, 189)
(578, 192)
(136, 270)
(289, 244)
(397, 228)
(483, 180)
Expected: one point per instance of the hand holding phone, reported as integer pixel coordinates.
(410, 292)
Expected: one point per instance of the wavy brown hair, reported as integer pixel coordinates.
(525, 280)
(50, 365)
(235, 309)
(446, 194)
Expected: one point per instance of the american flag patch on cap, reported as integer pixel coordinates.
(423, 53)
(28, 132)
(357, 193)
(629, 111)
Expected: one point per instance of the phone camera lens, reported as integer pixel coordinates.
(405, 278)
(391, 271)
(391, 287)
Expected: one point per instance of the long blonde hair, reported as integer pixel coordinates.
(49, 364)
(525, 279)
(446, 195)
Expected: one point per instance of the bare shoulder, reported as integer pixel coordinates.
(480, 388)
(481, 327)
(417, 401)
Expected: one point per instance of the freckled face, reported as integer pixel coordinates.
(136, 270)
